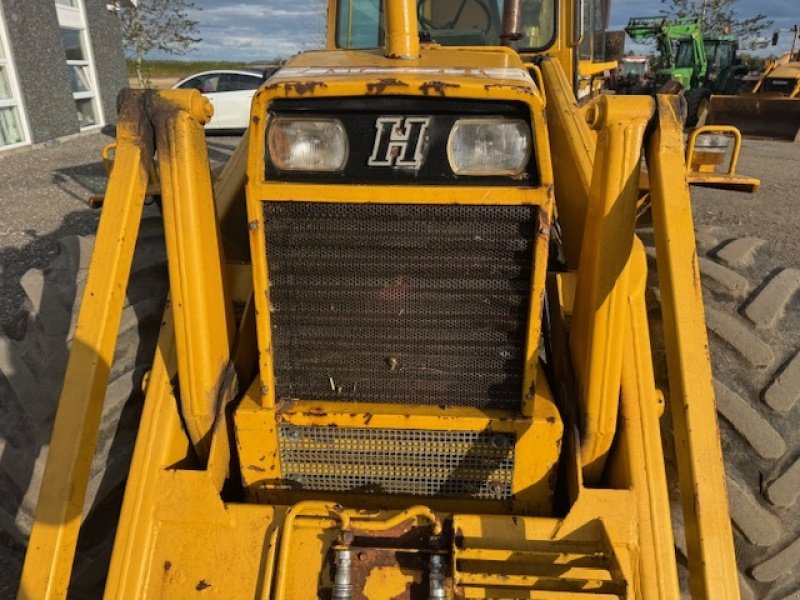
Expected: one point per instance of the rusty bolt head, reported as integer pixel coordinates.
(253, 225)
(496, 488)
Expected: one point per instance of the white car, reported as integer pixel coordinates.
(230, 92)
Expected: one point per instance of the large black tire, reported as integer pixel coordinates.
(753, 319)
(33, 357)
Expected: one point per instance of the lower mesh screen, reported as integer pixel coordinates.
(477, 464)
(411, 304)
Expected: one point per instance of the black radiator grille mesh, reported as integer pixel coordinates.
(416, 304)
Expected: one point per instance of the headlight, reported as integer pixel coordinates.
(712, 142)
(489, 146)
(307, 144)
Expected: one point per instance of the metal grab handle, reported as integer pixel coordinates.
(578, 27)
(107, 153)
(724, 129)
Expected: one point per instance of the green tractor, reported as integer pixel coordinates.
(699, 63)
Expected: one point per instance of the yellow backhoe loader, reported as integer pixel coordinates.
(406, 351)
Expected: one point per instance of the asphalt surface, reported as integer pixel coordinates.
(44, 191)
(43, 194)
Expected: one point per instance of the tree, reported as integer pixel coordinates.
(720, 16)
(162, 25)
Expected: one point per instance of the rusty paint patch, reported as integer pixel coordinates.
(437, 87)
(167, 565)
(315, 412)
(522, 89)
(378, 87)
(202, 585)
(285, 406)
(301, 88)
(255, 468)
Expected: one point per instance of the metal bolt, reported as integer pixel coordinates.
(544, 230)
(293, 435)
(499, 441)
(436, 578)
(342, 582)
(253, 225)
(264, 390)
(496, 488)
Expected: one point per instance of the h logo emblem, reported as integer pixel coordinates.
(398, 142)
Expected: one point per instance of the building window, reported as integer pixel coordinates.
(12, 124)
(80, 67)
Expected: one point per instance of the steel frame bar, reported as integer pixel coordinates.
(54, 535)
(597, 335)
(709, 538)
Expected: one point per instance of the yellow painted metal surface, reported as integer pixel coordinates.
(51, 548)
(597, 335)
(640, 443)
(202, 311)
(712, 564)
(590, 550)
(402, 39)
(535, 455)
(573, 143)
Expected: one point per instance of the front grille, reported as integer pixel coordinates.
(475, 464)
(412, 304)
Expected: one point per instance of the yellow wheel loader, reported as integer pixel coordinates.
(772, 109)
(406, 350)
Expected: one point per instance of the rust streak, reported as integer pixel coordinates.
(437, 87)
(378, 87)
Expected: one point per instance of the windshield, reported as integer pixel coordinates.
(719, 53)
(633, 68)
(448, 22)
(684, 57)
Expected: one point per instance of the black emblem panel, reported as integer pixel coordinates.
(398, 140)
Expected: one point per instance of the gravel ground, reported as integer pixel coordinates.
(772, 213)
(43, 198)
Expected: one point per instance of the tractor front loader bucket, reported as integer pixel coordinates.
(758, 115)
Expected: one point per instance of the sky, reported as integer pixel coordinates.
(259, 30)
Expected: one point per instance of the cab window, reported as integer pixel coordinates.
(684, 57)
(448, 22)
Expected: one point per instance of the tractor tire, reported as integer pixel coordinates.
(696, 105)
(33, 359)
(753, 319)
